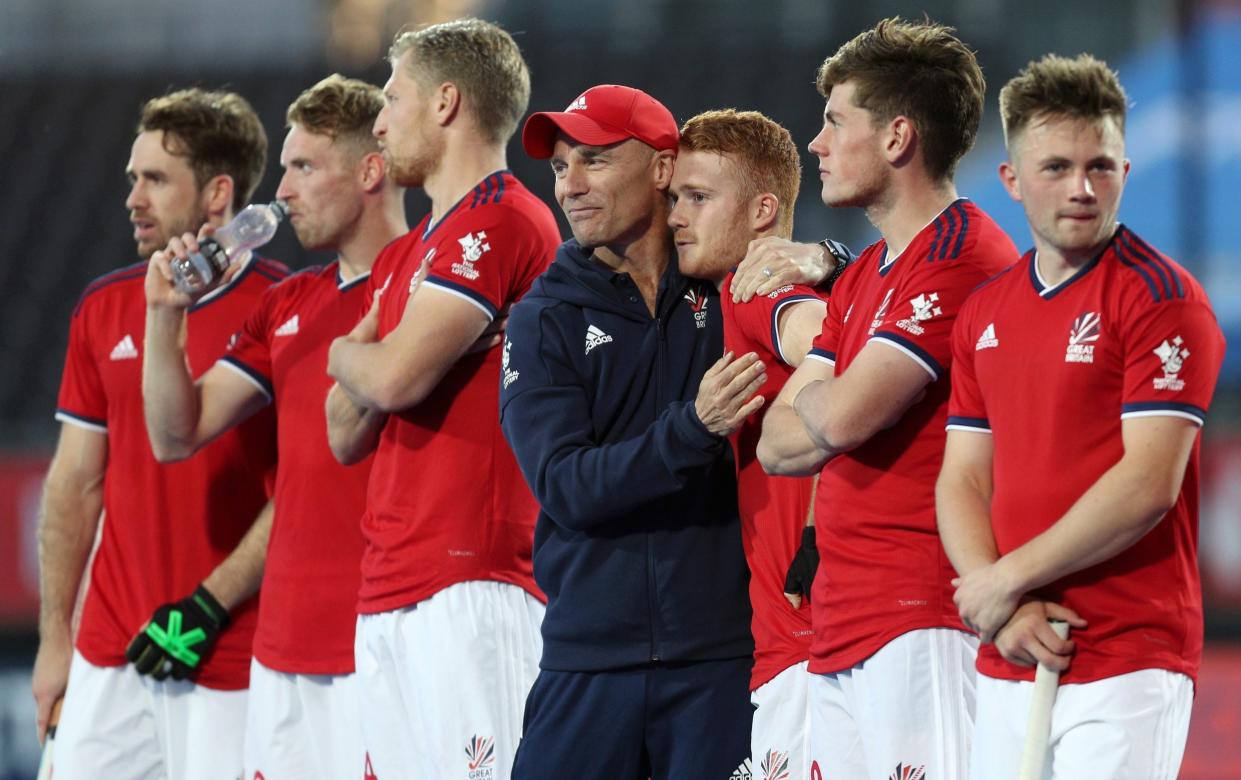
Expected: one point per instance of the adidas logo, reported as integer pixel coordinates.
(289, 327)
(124, 349)
(987, 340)
(595, 337)
(577, 105)
(743, 772)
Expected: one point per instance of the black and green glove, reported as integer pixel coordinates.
(805, 564)
(178, 636)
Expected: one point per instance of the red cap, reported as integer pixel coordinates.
(600, 116)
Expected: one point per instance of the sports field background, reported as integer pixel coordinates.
(73, 74)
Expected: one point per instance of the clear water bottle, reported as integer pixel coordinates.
(253, 227)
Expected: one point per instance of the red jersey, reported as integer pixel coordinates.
(773, 509)
(310, 580)
(446, 501)
(1051, 372)
(165, 527)
(884, 571)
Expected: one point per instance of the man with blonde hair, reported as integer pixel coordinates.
(447, 641)
(180, 550)
(735, 183)
(303, 714)
(892, 664)
(1070, 481)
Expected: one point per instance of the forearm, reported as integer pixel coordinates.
(1120, 508)
(963, 513)
(169, 398)
(352, 430)
(238, 576)
(68, 521)
(785, 447)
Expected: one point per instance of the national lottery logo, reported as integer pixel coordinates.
(924, 308)
(510, 376)
(473, 245)
(1172, 355)
(481, 752)
(774, 766)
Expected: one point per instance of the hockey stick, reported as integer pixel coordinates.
(45, 760)
(1038, 727)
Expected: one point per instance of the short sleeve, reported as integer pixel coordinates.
(478, 257)
(759, 318)
(250, 353)
(1173, 354)
(967, 410)
(827, 342)
(923, 309)
(82, 400)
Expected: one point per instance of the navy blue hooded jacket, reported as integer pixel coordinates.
(638, 543)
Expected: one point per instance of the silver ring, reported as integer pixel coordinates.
(767, 272)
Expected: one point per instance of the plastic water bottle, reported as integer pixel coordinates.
(253, 227)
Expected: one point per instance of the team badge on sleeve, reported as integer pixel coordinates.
(472, 248)
(924, 309)
(1172, 355)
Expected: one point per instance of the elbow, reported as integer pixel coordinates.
(395, 394)
(170, 450)
(771, 460)
(842, 435)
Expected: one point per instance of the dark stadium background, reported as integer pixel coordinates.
(73, 74)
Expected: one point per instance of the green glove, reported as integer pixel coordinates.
(178, 636)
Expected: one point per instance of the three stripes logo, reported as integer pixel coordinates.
(987, 340)
(124, 349)
(289, 328)
(595, 337)
(743, 772)
(1082, 335)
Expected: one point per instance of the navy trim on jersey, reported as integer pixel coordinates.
(965, 226)
(885, 265)
(90, 421)
(1139, 260)
(270, 270)
(1047, 293)
(1142, 248)
(932, 364)
(263, 382)
(460, 289)
(499, 186)
(974, 423)
(950, 232)
(822, 354)
(134, 271)
(342, 285)
(1164, 406)
(482, 191)
(433, 226)
(220, 292)
(775, 322)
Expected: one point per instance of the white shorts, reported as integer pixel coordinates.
(303, 726)
(910, 705)
(121, 725)
(780, 734)
(1132, 726)
(443, 683)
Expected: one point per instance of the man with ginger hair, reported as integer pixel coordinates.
(892, 664)
(735, 183)
(303, 713)
(1099, 353)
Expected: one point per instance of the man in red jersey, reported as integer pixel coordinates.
(303, 715)
(893, 666)
(170, 531)
(1070, 481)
(735, 181)
(448, 636)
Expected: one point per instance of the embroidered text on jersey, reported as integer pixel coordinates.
(987, 340)
(698, 303)
(924, 308)
(595, 337)
(510, 376)
(472, 248)
(124, 349)
(1172, 355)
(1084, 332)
(289, 328)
